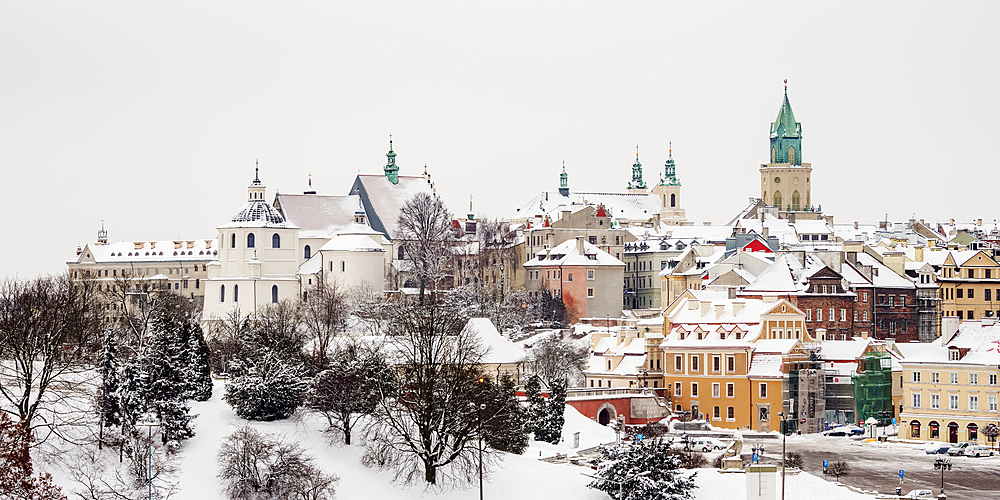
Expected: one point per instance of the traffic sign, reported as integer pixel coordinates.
(826, 462)
(754, 457)
(901, 473)
(638, 437)
(893, 420)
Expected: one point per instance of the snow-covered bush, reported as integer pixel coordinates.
(261, 466)
(646, 470)
(264, 388)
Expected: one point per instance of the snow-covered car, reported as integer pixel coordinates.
(959, 448)
(919, 494)
(938, 449)
(978, 450)
(707, 444)
(844, 430)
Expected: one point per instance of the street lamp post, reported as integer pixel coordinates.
(942, 465)
(758, 451)
(149, 421)
(482, 407)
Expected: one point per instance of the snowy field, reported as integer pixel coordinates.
(520, 477)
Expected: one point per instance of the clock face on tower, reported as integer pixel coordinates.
(777, 180)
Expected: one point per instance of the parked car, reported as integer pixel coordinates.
(959, 448)
(919, 494)
(978, 450)
(938, 449)
(844, 430)
(706, 444)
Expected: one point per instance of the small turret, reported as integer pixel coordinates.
(391, 170)
(102, 235)
(255, 192)
(637, 182)
(564, 181)
(670, 170)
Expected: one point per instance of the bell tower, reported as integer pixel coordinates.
(668, 191)
(637, 186)
(785, 181)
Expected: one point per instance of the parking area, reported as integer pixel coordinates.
(876, 466)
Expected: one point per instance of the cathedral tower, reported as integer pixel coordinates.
(637, 186)
(785, 180)
(668, 191)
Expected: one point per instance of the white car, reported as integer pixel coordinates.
(978, 450)
(707, 444)
(919, 494)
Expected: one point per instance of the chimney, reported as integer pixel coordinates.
(189, 244)
(78, 250)
(141, 244)
(738, 306)
(692, 304)
(579, 246)
(895, 261)
(705, 306)
(951, 222)
(208, 244)
(918, 253)
(152, 244)
(979, 222)
(855, 224)
(949, 328)
(178, 244)
(719, 310)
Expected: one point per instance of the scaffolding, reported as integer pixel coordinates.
(872, 387)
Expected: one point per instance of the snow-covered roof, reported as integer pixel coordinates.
(318, 216)
(777, 279)
(709, 234)
(981, 339)
(883, 277)
(619, 205)
(566, 254)
(812, 227)
(500, 350)
(150, 251)
(843, 350)
(352, 243)
(386, 199)
(765, 366)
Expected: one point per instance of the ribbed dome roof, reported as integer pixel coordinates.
(259, 211)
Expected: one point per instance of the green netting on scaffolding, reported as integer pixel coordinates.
(872, 387)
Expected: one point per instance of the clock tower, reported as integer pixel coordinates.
(785, 182)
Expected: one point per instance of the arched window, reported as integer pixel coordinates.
(400, 253)
(222, 293)
(275, 240)
(935, 429)
(777, 199)
(274, 294)
(796, 201)
(773, 157)
(233, 244)
(251, 240)
(236, 293)
(791, 154)
(307, 253)
(673, 200)
(914, 428)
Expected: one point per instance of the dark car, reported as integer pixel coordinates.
(940, 449)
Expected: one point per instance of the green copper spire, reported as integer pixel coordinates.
(564, 181)
(637, 182)
(670, 170)
(391, 170)
(786, 135)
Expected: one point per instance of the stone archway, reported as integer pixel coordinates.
(606, 414)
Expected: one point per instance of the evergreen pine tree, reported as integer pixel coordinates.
(265, 388)
(554, 419)
(198, 361)
(536, 407)
(108, 407)
(505, 421)
(646, 470)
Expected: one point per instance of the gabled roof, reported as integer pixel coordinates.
(883, 276)
(316, 215)
(777, 279)
(566, 254)
(499, 349)
(383, 200)
(151, 251)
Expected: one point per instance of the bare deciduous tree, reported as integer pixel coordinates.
(555, 357)
(324, 316)
(425, 227)
(260, 466)
(349, 389)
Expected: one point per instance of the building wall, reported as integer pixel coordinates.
(944, 415)
(896, 314)
(787, 179)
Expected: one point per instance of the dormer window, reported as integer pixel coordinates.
(954, 354)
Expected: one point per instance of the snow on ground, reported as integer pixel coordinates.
(522, 477)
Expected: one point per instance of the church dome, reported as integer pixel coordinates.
(259, 211)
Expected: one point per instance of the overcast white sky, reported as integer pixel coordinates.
(150, 116)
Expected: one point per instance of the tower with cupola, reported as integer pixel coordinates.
(785, 181)
(637, 186)
(668, 192)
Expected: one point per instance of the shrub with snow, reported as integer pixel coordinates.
(646, 470)
(254, 465)
(265, 388)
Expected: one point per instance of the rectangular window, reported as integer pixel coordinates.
(694, 362)
(843, 315)
(809, 315)
(678, 363)
(569, 277)
(953, 377)
(590, 292)
(763, 390)
(819, 315)
(663, 265)
(972, 293)
(935, 400)
(730, 413)
(715, 413)
(935, 377)
(592, 240)
(730, 390)
(993, 379)
(866, 316)
(953, 401)
(831, 318)
(855, 315)
(864, 296)
(916, 377)
(959, 313)
(590, 274)
(677, 389)
(916, 400)
(992, 401)
(973, 379)
(968, 314)
(715, 390)
(959, 292)
(986, 295)
(694, 389)
(716, 364)
(972, 274)
(731, 365)
(973, 403)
